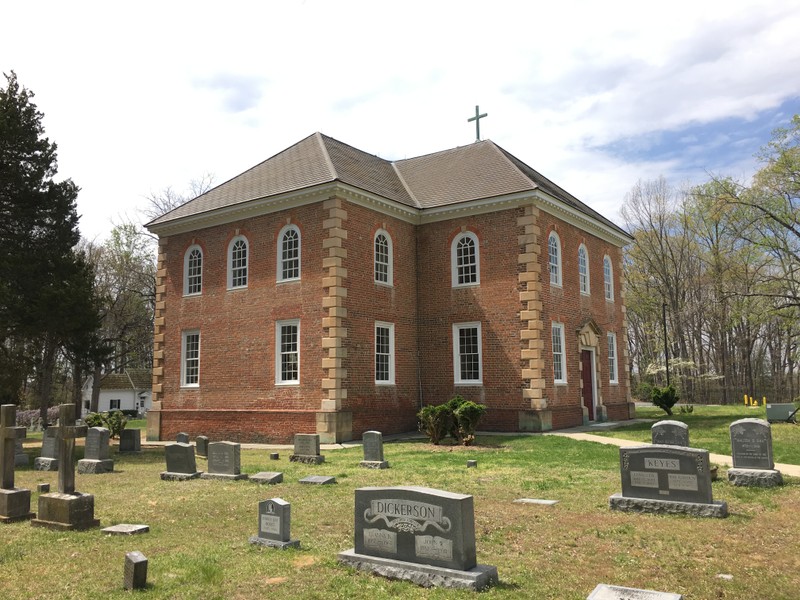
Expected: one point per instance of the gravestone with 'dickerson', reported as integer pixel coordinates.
(181, 464)
(274, 525)
(224, 461)
(66, 509)
(15, 503)
(373, 450)
(418, 534)
(306, 449)
(751, 448)
(96, 455)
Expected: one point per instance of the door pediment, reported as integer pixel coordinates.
(589, 334)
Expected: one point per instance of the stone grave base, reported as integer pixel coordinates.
(45, 464)
(755, 477)
(717, 510)
(477, 578)
(88, 466)
(269, 477)
(308, 459)
(224, 476)
(15, 505)
(374, 464)
(66, 512)
(259, 541)
(170, 476)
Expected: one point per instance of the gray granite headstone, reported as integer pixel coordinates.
(615, 592)
(751, 447)
(20, 458)
(224, 461)
(306, 449)
(96, 456)
(48, 460)
(274, 521)
(130, 440)
(15, 503)
(181, 463)
(666, 479)
(135, 576)
(419, 534)
(201, 446)
(670, 433)
(373, 451)
(182, 438)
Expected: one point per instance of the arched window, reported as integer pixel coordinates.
(465, 260)
(383, 258)
(608, 278)
(554, 258)
(193, 271)
(237, 263)
(583, 269)
(289, 253)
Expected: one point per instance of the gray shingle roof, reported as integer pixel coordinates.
(478, 171)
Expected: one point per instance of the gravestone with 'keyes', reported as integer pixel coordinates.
(670, 433)
(751, 447)
(181, 464)
(48, 461)
(306, 449)
(274, 522)
(666, 479)
(373, 451)
(224, 461)
(96, 456)
(418, 534)
(15, 503)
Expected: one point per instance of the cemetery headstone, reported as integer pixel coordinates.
(48, 461)
(666, 479)
(670, 433)
(306, 449)
(43, 488)
(201, 446)
(20, 458)
(471, 464)
(318, 480)
(274, 521)
(274, 456)
(15, 503)
(373, 451)
(135, 575)
(182, 438)
(66, 509)
(615, 592)
(224, 461)
(130, 440)
(267, 477)
(125, 529)
(751, 447)
(181, 464)
(418, 534)
(97, 456)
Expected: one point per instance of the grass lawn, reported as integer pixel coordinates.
(198, 544)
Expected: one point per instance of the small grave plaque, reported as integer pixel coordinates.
(373, 451)
(224, 461)
(125, 529)
(201, 446)
(182, 438)
(267, 477)
(751, 446)
(666, 479)
(96, 456)
(535, 501)
(318, 480)
(419, 534)
(471, 464)
(43, 488)
(135, 576)
(274, 520)
(614, 592)
(130, 440)
(670, 433)
(181, 464)
(274, 456)
(306, 449)
(48, 461)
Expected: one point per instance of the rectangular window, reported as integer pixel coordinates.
(384, 353)
(559, 359)
(467, 353)
(113, 404)
(612, 358)
(190, 365)
(287, 352)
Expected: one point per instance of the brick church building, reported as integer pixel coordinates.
(327, 290)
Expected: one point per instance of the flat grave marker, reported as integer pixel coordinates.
(318, 480)
(267, 477)
(125, 529)
(615, 592)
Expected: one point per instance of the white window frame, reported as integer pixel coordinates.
(390, 355)
(279, 352)
(281, 261)
(613, 361)
(608, 278)
(245, 267)
(454, 265)
(111, 404)
(583, 270)
(185, 358)
(389, 258)
(558, 347)
(555, 276)
(457, 378)
(186, 277)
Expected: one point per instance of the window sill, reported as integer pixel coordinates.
(465, 285)
(193, 295)
(190, 386)
(237, 288)
(560, 383)
(468, 383)
(287, 383)
(280, 281)
(385, 384)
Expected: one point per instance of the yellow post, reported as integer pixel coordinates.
(745, 399)
(764, 401)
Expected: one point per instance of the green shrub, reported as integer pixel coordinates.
(664, 398)
(467, 416)
(435, 422)
(114, 421)
(457, 418)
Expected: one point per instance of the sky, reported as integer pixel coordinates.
(143, 96)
